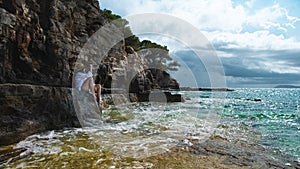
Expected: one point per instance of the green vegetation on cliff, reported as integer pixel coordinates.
(159, 57)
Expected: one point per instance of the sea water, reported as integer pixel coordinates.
(274, 113)
(267, 117)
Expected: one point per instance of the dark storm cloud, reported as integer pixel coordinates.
(240, 73)
(237, 67)
(291, 57)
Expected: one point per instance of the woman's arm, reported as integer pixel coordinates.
(90, 72)
(91, 68)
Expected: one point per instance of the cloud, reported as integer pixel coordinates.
(259, 40)
(276, 67)
(267, 59)
(273, 16)
(213, 14)
(223, 21)
(254, 39)
(192, 71)
(250, 3)
(251, 70)
(258, 58)
(238, 71)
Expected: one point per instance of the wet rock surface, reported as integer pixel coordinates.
(10, 154)
(240, 154)
(218, 152)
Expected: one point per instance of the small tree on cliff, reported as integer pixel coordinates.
(157, 55)
(131, 39)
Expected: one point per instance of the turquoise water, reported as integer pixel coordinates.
(270, 117)
(128, 133)
(274, 113)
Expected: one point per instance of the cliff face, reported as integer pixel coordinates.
(40, 39)
(40, 42)
(28, 109)
(132, 73)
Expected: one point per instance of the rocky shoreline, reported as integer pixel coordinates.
(216, 152)
(40, 44)
(219, 152)
(206, 89)
(29, 109)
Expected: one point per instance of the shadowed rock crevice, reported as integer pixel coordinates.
(8, 5)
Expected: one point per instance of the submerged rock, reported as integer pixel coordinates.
(218, 152)
(10, 155)
(158, 96)
(241, 153)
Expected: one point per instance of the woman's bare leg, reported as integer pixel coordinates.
(98, 90)
(88, 84)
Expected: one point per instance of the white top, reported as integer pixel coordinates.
(80, 77)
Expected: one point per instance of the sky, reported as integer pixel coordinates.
(257, 42)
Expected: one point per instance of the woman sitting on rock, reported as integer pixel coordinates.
(84, 81)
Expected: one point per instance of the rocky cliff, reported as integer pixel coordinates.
(28, 109)
(131, 73)
(41, 40)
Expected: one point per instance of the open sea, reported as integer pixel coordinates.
(131, 136)
(273, 113)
